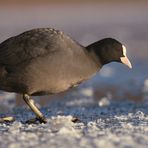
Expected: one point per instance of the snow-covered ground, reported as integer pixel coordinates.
(122, 124)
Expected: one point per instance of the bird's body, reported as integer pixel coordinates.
(47, 61)
(43, 61)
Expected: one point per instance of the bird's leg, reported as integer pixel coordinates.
(39, 115)
(6, 119)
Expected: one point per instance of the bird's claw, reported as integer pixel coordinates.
(36, 120)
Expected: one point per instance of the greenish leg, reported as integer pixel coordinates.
(33, 107)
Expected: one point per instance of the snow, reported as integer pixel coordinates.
(120, 124)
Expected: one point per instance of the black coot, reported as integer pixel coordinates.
(46, 61)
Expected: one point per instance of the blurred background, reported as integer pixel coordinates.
(87, 21)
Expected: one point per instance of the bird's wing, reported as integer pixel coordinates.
(29, 45)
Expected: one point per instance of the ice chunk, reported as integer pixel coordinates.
(105, 101)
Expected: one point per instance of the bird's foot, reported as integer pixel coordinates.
(39, 116)
(7, 119)
(36, 120)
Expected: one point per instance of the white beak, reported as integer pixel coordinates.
(126, 61)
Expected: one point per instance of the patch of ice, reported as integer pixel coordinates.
(63, 125)
(140, 115)
(87, 91)
(80, 102)
(105, 101)
(15, 127)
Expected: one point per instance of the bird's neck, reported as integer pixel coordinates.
(98, 57)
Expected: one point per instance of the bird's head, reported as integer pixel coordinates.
(110, 50)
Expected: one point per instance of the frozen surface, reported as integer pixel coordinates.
(122, 124)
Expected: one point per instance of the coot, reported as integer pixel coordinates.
(47, 61)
